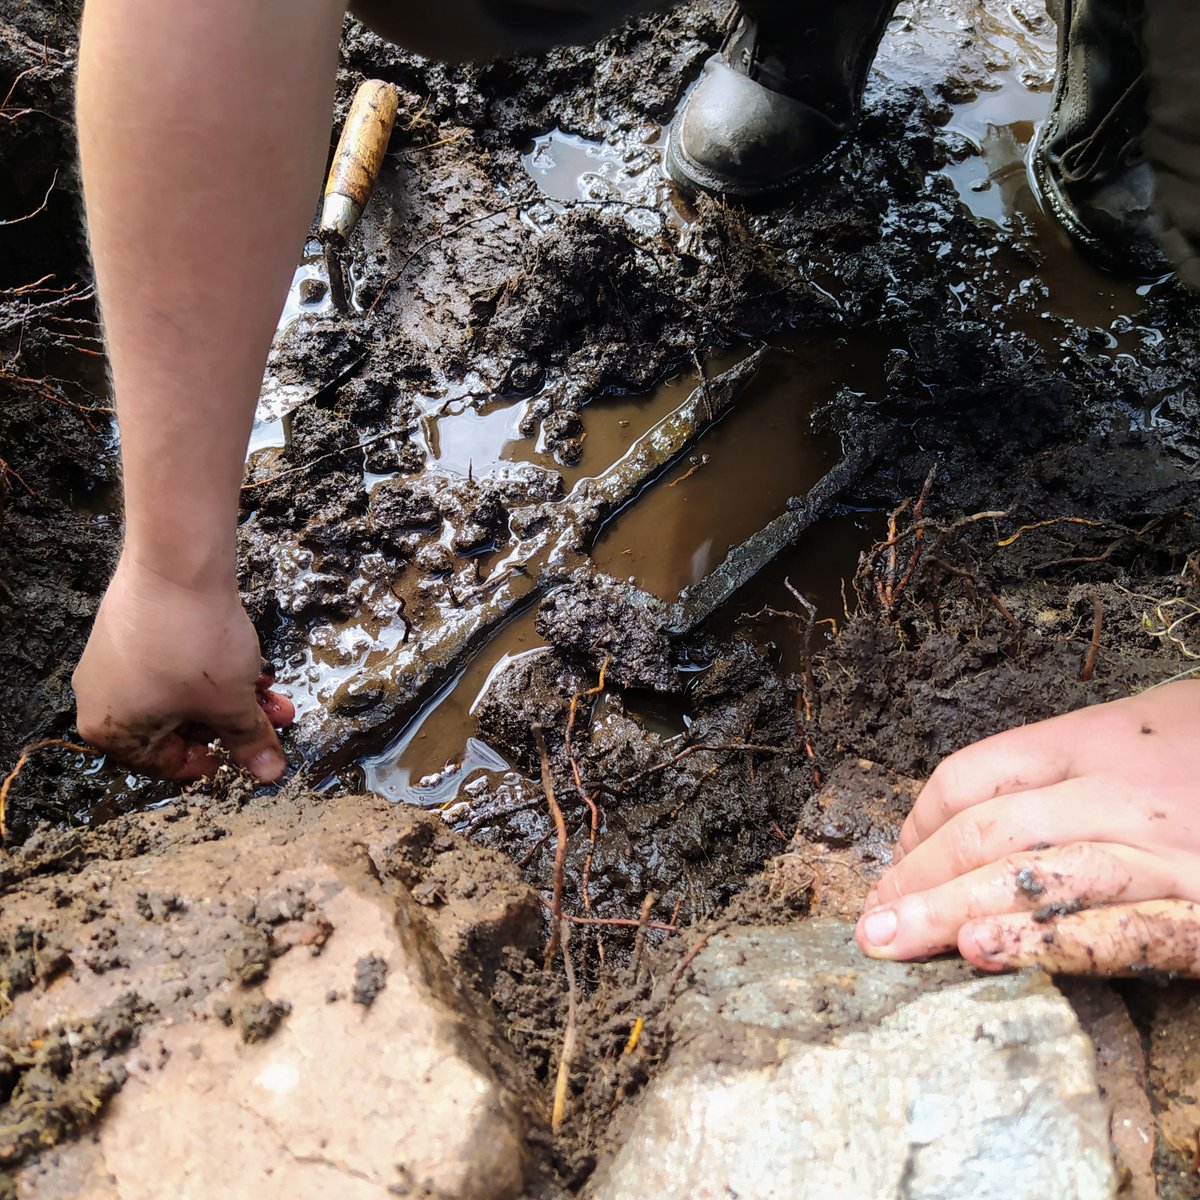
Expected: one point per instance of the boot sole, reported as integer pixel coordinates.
(1051, 197)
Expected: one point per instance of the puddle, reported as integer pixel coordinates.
(471, 438)
(675, 531)
(428, 763)
(742, 473)
(993, 183)
(569, 167)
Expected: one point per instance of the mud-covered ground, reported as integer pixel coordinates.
(1020, 382)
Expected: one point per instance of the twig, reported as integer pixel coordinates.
(640, 941)
(563, 932)
(529, 855)
(1012, 537)
(690, 957)
(620, 922)
(312, 462)
(805, 695)
(918, 535)
(40, 208)
(560, 853)
(702, 461)
(886, 591)
(976, 582)
(810, 620)
(589, 800)
(24, 758)
(1089, 663)
(743, 747)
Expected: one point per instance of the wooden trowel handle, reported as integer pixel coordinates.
(358, 157)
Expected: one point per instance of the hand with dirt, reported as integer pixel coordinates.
(1072, 844)
(167, 669)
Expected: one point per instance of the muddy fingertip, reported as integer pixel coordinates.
(981, 943)
(267, 766)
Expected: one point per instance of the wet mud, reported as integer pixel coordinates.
(441, 549)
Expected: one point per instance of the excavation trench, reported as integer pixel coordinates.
(501, 477)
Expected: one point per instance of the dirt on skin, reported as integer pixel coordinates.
(473, 286)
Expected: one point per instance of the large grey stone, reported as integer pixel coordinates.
(802, 1071)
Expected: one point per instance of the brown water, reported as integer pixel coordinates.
(1066, 289)
(741, 474)
(429, 763)
(670, 536)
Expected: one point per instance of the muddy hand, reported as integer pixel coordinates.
(169, 668)
(1073, 844)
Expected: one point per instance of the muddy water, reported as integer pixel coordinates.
(743, 472)
(429, 763)
(670, 536)
(994, 183)
(740, 475)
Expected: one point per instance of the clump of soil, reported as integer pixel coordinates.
(55, 1088)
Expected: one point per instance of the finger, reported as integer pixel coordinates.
(1018, 760)
(1077, 810)
(1123, 939)
(165, 756)
(252, 743)
(1046, 884)
(281, 712)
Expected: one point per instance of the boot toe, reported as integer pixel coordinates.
(732, 136)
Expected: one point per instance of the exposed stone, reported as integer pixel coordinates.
(270, 1090)
(801, 1070)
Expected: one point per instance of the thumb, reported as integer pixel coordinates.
(252, 744)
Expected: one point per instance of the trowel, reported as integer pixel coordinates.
(356, 164)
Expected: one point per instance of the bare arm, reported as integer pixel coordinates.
(202, 128)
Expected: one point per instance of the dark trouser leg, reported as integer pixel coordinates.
(460, 30)
(784, 90)
(1172, 36)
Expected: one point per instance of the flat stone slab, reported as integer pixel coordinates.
(302, 1035)
(801, 1071)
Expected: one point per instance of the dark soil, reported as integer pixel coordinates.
(1038, 420)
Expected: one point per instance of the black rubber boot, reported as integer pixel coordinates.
(1088, 160)
(784, 90)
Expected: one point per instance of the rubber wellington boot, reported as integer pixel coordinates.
(1088, 160)
(784, 91)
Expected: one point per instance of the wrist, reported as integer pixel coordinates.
(180, 564)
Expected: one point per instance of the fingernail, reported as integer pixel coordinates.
(266, 764)
(880, 927)
(988, 939)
